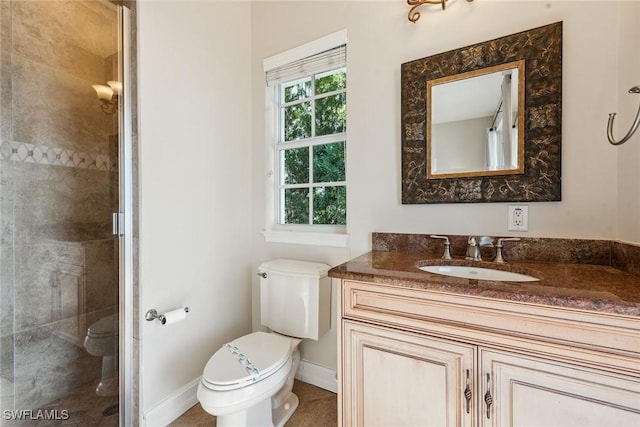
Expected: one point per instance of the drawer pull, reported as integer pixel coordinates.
(488, 399)
(467, 393)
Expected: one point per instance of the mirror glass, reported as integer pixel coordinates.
(475, 123)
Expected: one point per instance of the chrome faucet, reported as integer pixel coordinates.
(473, 246)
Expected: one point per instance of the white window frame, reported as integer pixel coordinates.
(316, 234)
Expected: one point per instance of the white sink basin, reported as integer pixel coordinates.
(478, 273)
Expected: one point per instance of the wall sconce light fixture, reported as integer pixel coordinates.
(415, 15)
(109, 95)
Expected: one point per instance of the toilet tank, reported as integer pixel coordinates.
(295, 297)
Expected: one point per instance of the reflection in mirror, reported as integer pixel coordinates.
(475, 123)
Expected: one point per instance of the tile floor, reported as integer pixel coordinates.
(317, 408)
(85, 409)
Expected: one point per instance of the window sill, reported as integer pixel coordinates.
(335, 240)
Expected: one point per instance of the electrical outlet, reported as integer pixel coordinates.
(518, 218)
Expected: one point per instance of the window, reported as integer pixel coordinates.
(312, 188)
(307, 99)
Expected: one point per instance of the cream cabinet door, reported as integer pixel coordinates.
(531, 392)
(394, 379)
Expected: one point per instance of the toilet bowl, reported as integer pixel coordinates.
(249, 381)
(102, 341)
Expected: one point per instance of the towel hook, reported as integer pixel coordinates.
(634, 126)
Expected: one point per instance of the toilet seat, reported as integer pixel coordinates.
(105, 327)
(246, 360)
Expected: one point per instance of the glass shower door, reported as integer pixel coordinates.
(60, 76)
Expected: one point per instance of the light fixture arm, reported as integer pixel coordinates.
(634, 126)
(108, 96)
(109, 106)
(414, 15)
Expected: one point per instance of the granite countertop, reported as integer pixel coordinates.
(598, 288)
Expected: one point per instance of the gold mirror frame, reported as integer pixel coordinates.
(516, 65)
(541, 50)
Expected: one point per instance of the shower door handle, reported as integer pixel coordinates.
(118, 224)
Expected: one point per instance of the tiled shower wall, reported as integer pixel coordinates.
(58, 188)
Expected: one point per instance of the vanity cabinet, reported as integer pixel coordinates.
(410, 357)
(393, 378)
(529, 391)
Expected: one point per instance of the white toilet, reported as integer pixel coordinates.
(102, 340)
(248, 381)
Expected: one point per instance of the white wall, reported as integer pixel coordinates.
(195, 191)
(629, 153)
(460, 146)
(380, 39)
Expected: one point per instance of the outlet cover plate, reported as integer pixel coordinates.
(518, 218)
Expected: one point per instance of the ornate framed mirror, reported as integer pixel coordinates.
(483, 123)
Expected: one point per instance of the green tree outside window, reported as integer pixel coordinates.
(312, 108)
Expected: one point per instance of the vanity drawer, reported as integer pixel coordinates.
(605, 339)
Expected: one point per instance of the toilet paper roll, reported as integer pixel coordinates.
(174, 316)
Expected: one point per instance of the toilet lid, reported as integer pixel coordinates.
(247, 359)
(107, 326)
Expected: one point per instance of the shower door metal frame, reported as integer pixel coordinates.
(127, 364)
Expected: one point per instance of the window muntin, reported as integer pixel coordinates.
(311, 150)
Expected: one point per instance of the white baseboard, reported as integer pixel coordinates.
(317, 375)
(173, 406)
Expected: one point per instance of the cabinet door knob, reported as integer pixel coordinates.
(467, 392)
(488, 399)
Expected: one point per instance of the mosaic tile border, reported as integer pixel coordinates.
(30, 153)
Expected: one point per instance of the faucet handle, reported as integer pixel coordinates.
(499, 258)
(506, 239)
(447, 246)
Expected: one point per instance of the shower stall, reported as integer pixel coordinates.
(65, 211)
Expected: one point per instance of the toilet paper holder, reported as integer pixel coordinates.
(153, 315)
